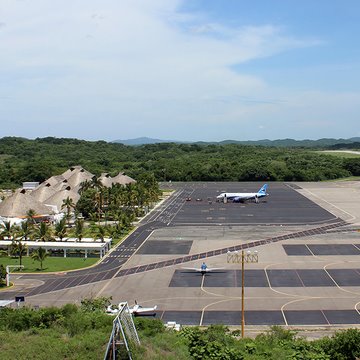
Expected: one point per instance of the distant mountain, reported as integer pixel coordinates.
(326, 142)
(142, 141)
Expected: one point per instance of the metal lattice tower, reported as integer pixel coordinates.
(123, 332)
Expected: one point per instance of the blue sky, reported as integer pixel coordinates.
(183, 70)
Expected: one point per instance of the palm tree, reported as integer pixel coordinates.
(60, 229)
(85, 185)
(39, 255)
(99, 188)
(7, 230)
(43, 232)
(18, 248)
(30, 215)
(69, 204)
(79, 228)
(101, 232)
(25, 231)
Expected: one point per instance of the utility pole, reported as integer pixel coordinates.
(235, 258)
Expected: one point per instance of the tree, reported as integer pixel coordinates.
(40, 255)
(101, 232)
(7, 230)
(2, 274)
(60, 229)
(69, 204)
(43, 232)
(18, 248)
(30, 215)
(25, 231)
(95, 304)
(79, 228)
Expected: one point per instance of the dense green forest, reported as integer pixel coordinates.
(36, 160)
(82, 332)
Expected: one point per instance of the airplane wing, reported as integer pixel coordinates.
(214, 269)
(142, 309)
(202, 270)
(112, 311)
(192, 269)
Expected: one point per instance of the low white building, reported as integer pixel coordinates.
(65, 246)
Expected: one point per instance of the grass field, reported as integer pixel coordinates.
(50, 264)
(341, 154)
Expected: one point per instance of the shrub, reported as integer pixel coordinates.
(343, 345)
(149, 327)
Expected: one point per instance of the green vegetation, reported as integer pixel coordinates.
(82, 332)
(70, 332)
(37, 160)
(51, 264)
(219, 343)
(2, 276)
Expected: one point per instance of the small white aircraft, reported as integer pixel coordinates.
(203, 269)
(242, 197)
(140, 310)
(136, 310)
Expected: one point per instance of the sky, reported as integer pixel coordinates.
(185, 70)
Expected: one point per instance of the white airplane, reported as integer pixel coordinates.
(203, 269)
(140, 310)
(242, 197)
(136, 310)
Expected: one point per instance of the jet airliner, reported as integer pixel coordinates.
(242, 197)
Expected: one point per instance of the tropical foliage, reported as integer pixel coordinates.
(220, 343)
(36, 160)
(40, 255)
(69, 332)
(82, 332)
(2, 274)
(119, 203)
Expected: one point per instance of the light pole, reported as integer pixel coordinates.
(8, 272)
(235, 258)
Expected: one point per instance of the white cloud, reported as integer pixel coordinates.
(132, 61)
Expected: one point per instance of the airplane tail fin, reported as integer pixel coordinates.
(263, 189)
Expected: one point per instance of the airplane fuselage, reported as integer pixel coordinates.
(241, 197)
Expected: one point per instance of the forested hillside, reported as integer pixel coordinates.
(35, 160)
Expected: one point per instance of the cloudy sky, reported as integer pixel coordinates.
(181, 70)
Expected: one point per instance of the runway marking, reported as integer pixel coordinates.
(305, 298)
(337, 285)
(315, 256)
(356, 305)
(205, 307)
(304, 233)
(174, 215)
(109, 280)
(270, 287)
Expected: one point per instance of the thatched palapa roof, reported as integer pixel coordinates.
(120, 178)
(18, 205)
(58, 197)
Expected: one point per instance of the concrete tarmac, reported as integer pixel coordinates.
(305, 233)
